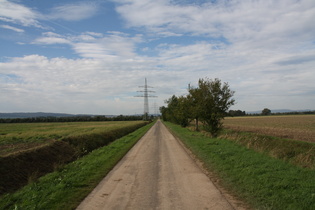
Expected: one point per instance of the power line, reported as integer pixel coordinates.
(155, 107)
(146, 96)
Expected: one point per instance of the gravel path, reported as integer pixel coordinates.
(157, 173)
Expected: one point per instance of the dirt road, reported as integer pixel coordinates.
(157, 173)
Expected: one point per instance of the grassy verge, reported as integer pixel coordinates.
(260, 180)
(66, 188)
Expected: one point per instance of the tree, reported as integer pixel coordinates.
(195, 107)
(164, 113)
(176, 110)
(172, 104)
(208, 103)
(214, 100)
(266, 111)
(182, 113)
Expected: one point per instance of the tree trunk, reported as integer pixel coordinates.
(196, 125)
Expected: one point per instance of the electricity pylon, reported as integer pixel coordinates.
(155, 107)
(146, 95)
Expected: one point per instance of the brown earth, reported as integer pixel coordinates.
(157, 173)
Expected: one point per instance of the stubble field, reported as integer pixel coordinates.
(297, 127)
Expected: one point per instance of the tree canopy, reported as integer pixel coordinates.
(266, 111)
(209, 103)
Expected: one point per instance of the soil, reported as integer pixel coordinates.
(158, 173)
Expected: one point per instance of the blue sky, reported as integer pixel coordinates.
(90, 56)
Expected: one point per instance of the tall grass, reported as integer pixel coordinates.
(67, 187)
(260, 180)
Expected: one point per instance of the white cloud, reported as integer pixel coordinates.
(107, 86)
(264, 49)
(12, 28)
(74, 12)
(77, 85)
(249, 22)
(95, 45)
(72, 86)
(51, 40)
(17, 13)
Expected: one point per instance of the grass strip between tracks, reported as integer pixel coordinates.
(261, 181)
(67, 187)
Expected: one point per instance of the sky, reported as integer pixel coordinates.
(91, 56)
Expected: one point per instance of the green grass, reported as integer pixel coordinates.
(261, 181)
(67, 187)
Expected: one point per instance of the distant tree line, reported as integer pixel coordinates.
(265, 112)
(236, 113)
(208, 103)
(72, 119)
(293, 113)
